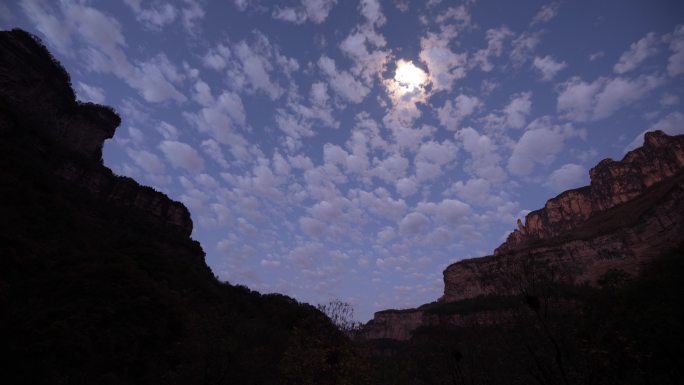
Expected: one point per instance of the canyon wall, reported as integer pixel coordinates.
(632, 212)
(40, 103)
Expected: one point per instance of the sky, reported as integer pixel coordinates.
(352, 150)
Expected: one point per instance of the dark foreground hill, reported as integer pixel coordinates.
(100, 282)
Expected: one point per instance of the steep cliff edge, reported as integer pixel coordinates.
(38, 107)
(100, 282)
(632, 212)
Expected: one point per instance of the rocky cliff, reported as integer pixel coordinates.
(39, 101)
(632, 211)
(100, 282)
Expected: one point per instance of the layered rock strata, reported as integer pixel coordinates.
(632, 211)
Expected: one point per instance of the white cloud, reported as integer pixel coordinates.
(269, 263)
(371, 10)
(217, 58)
(363, 47)
(414, 223)
(452, 211)
(675, 64)
(540, 144)
(451, 114)
(312, 227)
(315, 11)
(637, 53)
(154, 17)
(256, 63)
(181, 155)
(476, 190)
(546, 13)
(496, 38)
(213, 149)
(104, 48)
(136, 135)
(431, 157)
(484, 154)
(566, 177)
(306, 254)
(444, 66)
(517, 110)
(91, 93)
(596, 55)
(147, 161)
(190, 14)
(548, 67)
(523, 47)
(342, 82)
(582, 101)
(153, 79)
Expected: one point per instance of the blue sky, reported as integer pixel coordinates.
(342, 149)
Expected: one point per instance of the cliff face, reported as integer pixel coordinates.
(612, 183)
(39, 101)
(632, 212)
(100, 282)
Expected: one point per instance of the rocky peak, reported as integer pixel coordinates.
(632, 212)
(612, 183)
(38, 104)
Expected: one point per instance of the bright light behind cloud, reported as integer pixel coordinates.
(409, 77)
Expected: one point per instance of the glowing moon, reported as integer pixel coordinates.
(409, 77)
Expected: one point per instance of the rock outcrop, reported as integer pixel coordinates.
(100, 282)
(632, 212)
(40, 101)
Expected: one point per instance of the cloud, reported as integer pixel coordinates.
(548, 67)
(181, 155)
(596, 55)
(540, 144)
(315, 11)
(371, 10)
(637, 53)
(484, 154)
(363, 47)
(514, 115)
(342, 82)
(213, 149)
(104, 48)
(582, 101)
(496, 38)
(566, 177)
(154, 17)
(304, 255)
(312, 227)
(147, 161)
(451, 114)
(256, 62)
(153, 80)
(517, 110)
(546, 13)
(190, 14)
(452, 211)
(475, 191)
(414, 223)
(91, 93)
(675, 64)
(523, 47)
(444, 66)
(431, 157)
